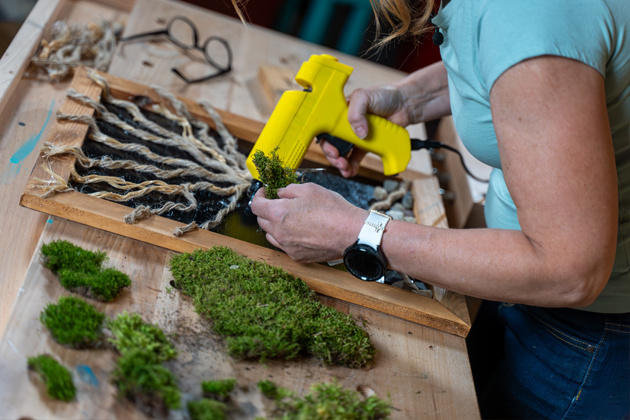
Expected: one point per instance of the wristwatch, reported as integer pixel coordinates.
(364, 259)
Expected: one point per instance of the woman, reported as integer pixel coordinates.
(540, 90)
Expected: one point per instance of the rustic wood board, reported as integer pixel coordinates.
(25, 104)
(425, 371)
(157, 230)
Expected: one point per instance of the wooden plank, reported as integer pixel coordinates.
(16, 58)
(25, 121)
(425, 371)
(328, 281)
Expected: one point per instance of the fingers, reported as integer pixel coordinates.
(260, 205)
(354, 162)
(272, 241)
(357, 108)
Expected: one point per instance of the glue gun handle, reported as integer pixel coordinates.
(342, 146)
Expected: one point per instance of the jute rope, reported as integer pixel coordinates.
(91, 45)
(212, 163)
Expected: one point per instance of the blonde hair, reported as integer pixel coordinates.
(405, 19)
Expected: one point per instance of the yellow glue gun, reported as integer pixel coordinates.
(322, 109)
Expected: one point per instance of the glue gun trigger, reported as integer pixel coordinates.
(342, 146)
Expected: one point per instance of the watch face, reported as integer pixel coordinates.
(364, 262)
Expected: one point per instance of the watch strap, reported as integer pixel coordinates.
(372, 230)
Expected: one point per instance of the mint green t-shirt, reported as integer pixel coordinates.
(484, 38)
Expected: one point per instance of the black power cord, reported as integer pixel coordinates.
(417, 144)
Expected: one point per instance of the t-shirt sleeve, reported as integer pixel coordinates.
(510, 31)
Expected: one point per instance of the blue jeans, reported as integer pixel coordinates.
(541, 363)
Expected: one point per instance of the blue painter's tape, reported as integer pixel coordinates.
(30, 144)
(87, 375)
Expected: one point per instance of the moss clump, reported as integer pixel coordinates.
(151, 386)
(272, 173)
(219, 388)
(139, 374)
(328, 401)
(73, 323)
(207, 409)
(81, 271)
(271, 390)
(265, 312)
(58, 380)
(130, 331)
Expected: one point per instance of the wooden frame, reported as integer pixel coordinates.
(446, 312)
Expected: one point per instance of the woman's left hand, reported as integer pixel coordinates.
(309, 222)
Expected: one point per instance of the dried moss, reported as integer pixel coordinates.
(58, 380)
(207, 409)
(73, 323)
(272, 172)
(219, 388)
(326, 401)
(151, 386)
(80, 271)
(130, 331)
(266, 313)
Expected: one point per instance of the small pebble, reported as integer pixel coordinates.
(409, 219)
(396, 214)
(408, 213)
(399, 207)
(390, 185)
(407, 200)
(380, 193)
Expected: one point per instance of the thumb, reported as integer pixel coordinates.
(357, 108)
(290, 191)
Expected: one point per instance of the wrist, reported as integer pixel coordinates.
(351, 228)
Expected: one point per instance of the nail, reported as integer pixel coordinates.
(361, 132)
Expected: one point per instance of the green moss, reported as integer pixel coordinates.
(219, 388)
(145, 382)
(73, 323)
(270, 390)
(58, 380)
(207, 409)
(329, 401)
(81, 271)
(130, 332)
(273, 174)
(265, 312)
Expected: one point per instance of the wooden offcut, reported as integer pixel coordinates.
(109, 216)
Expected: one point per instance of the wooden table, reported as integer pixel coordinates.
(426, 372)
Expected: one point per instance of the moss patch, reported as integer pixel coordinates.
(266, 313)
(273, 174)
(80, 271)
(219, 388)
(207, 409)
(73, 323)
(149, 385)
(130, 331)
(58, 380)
(139, 374)
(327, 401)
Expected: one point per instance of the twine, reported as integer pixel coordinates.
(211, 164)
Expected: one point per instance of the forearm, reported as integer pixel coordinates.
(493, 264)
(426, 93)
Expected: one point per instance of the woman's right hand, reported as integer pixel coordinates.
(386, 101)
(421, 96)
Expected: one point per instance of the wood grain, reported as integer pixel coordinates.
(424, 371)
(24, 124)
